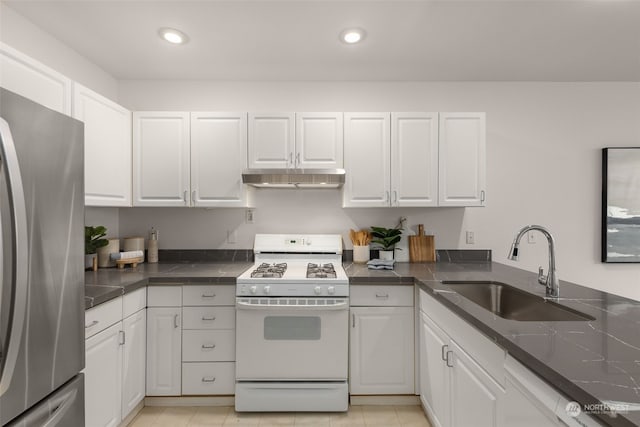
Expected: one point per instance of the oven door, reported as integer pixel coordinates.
(292, 339)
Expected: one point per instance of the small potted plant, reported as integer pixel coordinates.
(93, 239)
(386, 239)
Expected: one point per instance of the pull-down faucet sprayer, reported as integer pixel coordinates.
(550, 281)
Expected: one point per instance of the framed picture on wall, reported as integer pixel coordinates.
(621, 204)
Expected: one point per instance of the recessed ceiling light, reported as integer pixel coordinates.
(352, 35)
(173, 36)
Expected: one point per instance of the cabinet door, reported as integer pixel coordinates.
(319, 140)
(271, 140)
(218, 156)
(103, 378)
(414, 159)
(381, 350)
(134, 361)
(164, 344)
(521, 408)
(462, 159)
(107, 148)
(366, 159)
(161, 159)
(434, 373)
(474, 394)
(27, 77)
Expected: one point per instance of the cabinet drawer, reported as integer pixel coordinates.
(101, 317)
(208, 378)
(134, 302)
(208, 318)
(381, 295)
(164, 296)
(209, 346)
(209, 295)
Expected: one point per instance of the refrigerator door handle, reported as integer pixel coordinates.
(58, 414)
(9, 158)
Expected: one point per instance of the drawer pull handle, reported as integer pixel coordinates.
(92, 324)
(209, 318)
(208, 346)
(382, 295)
(208, 296)
(208, 379)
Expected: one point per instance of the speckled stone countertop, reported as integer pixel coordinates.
(590, 362)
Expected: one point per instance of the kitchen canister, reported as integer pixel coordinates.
(104, 253)
(361, 254)
(134, 244)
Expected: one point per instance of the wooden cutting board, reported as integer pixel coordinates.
(421, 248)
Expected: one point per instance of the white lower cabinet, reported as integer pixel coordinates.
(454, 388)
(164, 344)
(208, 340)
(382, 340)
(103, 378)
(434, 374)
(134, 360)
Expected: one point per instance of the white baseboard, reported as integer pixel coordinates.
(404, 399)
(190, 401)
(132, 414)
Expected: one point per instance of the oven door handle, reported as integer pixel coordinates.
(242, 305)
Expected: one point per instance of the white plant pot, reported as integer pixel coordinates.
(386, 255)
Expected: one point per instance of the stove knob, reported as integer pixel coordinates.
(331, 290)
(317, 290)
(267, 290)
(253, 289)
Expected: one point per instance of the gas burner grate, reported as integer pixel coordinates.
(270, 270)
(321, 271)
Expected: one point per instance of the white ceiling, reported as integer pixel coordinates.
(297, 40)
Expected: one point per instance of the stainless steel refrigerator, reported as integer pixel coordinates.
(42, 265)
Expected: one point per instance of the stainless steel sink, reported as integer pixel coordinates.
(514, 304)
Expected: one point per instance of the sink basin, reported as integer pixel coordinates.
(514, 304)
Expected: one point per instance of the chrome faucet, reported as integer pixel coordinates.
(550, 281)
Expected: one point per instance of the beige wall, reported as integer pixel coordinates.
(543, 142)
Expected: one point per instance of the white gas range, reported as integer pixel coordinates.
(292, 326)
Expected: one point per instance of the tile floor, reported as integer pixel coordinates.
(358, 416)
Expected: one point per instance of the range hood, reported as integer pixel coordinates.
(294, 178)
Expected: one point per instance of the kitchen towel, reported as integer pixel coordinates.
(127, 255)
(380, 264)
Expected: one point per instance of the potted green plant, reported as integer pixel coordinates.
(93, 239)
(386, 239)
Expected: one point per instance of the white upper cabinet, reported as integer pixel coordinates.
(271, 140)
(462, 159)
(31, 79)
(161, 173)
(300, 140)
(414, 159)
(366, 159)
(319, 141)
(218, 156)
(107, 148)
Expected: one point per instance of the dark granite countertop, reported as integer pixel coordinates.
(109, 283)
(589, 362)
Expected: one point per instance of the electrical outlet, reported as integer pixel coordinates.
(232, 236)
(249, 216)
(531, 237)
(470, 238)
